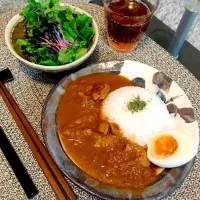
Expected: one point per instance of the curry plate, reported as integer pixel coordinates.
(143, 76)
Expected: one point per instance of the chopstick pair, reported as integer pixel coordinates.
(55, 178)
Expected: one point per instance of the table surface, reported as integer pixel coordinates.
(30, 89)
(163, 35)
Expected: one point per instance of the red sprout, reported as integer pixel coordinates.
(55, 40)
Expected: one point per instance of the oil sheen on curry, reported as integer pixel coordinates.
(95, 144)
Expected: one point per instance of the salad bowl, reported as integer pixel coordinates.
(56, 68)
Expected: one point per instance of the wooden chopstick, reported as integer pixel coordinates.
(58, 192)
(50, 169)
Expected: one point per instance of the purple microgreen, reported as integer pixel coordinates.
(55, 39)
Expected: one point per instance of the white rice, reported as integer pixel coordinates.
(138, 126)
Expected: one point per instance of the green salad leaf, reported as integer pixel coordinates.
(81, 52)
(56, 34)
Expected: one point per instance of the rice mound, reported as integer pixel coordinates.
(142, 125)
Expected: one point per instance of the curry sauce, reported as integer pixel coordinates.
(94, 144)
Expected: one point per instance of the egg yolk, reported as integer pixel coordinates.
(164, 146)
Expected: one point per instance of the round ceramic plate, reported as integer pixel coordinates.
(152, 80)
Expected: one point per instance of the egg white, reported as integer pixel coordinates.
(186, 151)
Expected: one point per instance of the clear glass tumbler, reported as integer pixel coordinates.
(126, 21)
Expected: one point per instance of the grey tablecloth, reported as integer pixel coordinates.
(30, 89)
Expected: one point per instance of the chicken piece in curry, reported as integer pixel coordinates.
(95, 145)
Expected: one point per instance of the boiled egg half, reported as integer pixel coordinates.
(171, 149)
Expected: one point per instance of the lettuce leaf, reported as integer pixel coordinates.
(81, 52)
(40, 18)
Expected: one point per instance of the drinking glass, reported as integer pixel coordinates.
(126, 21)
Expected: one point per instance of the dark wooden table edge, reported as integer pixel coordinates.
(189, 56)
